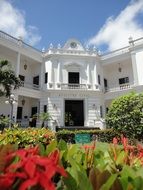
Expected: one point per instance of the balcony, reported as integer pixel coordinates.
(120, 88)
(31, 86)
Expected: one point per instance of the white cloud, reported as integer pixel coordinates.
(12, 21)
(116, 31)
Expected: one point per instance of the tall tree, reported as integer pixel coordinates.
(8, 79)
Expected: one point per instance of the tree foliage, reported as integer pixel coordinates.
(8, 80)
(125, 115)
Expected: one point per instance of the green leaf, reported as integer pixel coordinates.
(70, 182)
(109, 182)
(51, 147)
(42, 149)
(62, 145)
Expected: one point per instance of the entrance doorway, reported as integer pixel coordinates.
(74, 113)
(19, 112)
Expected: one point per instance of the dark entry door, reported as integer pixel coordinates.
(33, 111)
(74, 113)
(19, 112)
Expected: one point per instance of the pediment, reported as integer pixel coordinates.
(73, 44)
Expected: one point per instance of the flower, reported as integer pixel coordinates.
(32, 169)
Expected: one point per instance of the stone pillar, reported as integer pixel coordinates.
(59, 73)
(134, 66)
(18, 64)
(15, 108)
(95, 77)
(42, 75)
(88, 75)
(86, 123)
(51, 73)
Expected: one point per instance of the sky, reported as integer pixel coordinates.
(106, 24)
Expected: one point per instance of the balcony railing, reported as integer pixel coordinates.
(121, 87)
(74, 86)
(14, 40)
(27, 85)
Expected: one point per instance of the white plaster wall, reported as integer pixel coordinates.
(139, 64)
(70, 64)
(27, 107)
(112, 74)
(33, 69)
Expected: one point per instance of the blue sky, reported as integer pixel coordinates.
(105, 24)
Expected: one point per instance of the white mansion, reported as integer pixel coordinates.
(74, 84)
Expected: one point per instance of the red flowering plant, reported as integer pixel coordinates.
(89, 154)
(26, 169)
(122, 152)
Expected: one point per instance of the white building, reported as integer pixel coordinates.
(74, 84)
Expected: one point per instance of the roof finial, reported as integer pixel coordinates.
(131, 41)
(59, 46)
(51, 46)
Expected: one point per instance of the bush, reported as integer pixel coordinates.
(125, 115)
(25, 137)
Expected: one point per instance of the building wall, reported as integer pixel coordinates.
(139, 64)
(57, 63)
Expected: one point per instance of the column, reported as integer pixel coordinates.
(59, 73)
(15, 108)
(42, 75)
(88, 75)
(134, 66)
(86, 122)
(51, 73)
(18, 64)
(95, 77)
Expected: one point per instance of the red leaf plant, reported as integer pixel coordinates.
(29, 169)
(132, 152)
(89, 153)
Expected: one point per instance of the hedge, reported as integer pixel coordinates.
(98, 135)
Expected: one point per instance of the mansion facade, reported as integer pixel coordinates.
(76, 85)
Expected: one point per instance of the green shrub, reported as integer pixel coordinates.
(27, 136)
(125, 115)
(98, 135)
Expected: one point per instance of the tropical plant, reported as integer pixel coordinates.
(125, 115)
(8, 80)
(26, 137)
(62, 166)
(44, 116)
(27, 169)
(4, 122)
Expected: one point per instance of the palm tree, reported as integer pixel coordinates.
(44, 116)
(8, 80)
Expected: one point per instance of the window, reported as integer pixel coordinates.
(45, 108)
(124, 80)
(46, 78)
(105, 84)
(36, 80)
(73, 78)
(101, 111)
(98, 79)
